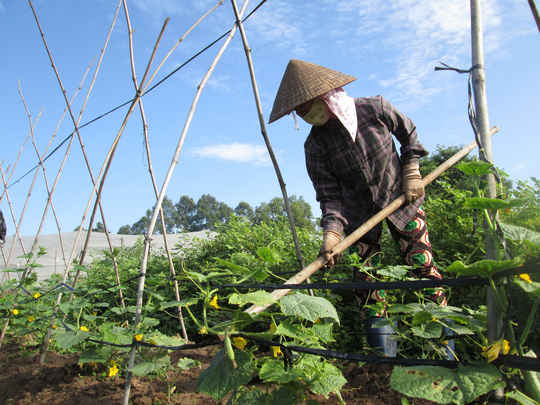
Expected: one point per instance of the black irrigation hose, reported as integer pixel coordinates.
(130, 101)
(395, 285)
(524, 363)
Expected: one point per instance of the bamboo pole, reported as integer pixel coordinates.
(247, 51)
(362, 230)
(153, 220)
(534, 11)
(83, 150)
(482, 123)
(148, 154)
(41, 164)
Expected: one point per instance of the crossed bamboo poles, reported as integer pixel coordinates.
(99, 181)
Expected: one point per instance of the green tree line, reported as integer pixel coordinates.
(207, 213)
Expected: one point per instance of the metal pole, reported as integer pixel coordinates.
(482, 123)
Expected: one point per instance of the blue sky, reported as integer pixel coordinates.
(391, 46)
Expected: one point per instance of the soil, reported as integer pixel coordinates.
(59, 380)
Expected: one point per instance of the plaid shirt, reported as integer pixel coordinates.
(353, 180)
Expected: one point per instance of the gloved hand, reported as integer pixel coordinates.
(330, 239)
(412, 183)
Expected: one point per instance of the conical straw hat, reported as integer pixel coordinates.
(303, 81)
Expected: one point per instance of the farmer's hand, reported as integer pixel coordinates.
(330, 239)
(412, 183)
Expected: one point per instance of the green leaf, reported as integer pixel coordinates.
(397, 272)
(491, 203)
(232, 266)
(308, 307)
(144, 368)
(286, 328)
(255, 396)
(267, 254)
(520, 233)
(260, 298)
(430, 330)
(442, 385)
(421, 317)
(475, 168)
(274, 370)
(400, 308)
(521, 398)
(283, 395)
(482, 268)
(531, 287)
(182, 303)
(323, 331)
(68, 339)
(329, 379)
(92, 356)
(221, 377)
(185, 363)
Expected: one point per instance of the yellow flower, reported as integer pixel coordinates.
(37, 295)
(54, 326)
(113, 371)
(84, 328)
(138, 338)
(31, 319)
(239, 342)
(277, 351)
(525, 277)
(15, 311)
(505, 347)
(203, 331)
(94, 313)
(492, 352)
(213, 303)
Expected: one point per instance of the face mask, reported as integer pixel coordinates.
(318, 115)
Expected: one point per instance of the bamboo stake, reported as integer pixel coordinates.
(482, 122)
(534, 11)
(153, 220)
(148, 154)
(43, 168)
(46, 342)
(362, 230)
(265, 136)
(81, 143)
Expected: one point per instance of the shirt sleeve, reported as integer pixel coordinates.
(405, 132)
(327, 188)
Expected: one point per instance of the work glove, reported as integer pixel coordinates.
(330, 239)
(412, 183)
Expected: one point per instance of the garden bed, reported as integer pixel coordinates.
(61, 381)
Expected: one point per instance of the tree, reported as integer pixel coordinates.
(209, 212)
(124, 230)
(141, 226)
(243, 209)
(187, 211)
(453, 177)
(99, 228)
(275, 209)
(171, 215)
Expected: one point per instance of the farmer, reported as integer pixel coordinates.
(356, 171)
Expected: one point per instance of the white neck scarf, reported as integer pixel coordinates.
(343, 107)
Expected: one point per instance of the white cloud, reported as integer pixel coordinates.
(236, 152)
